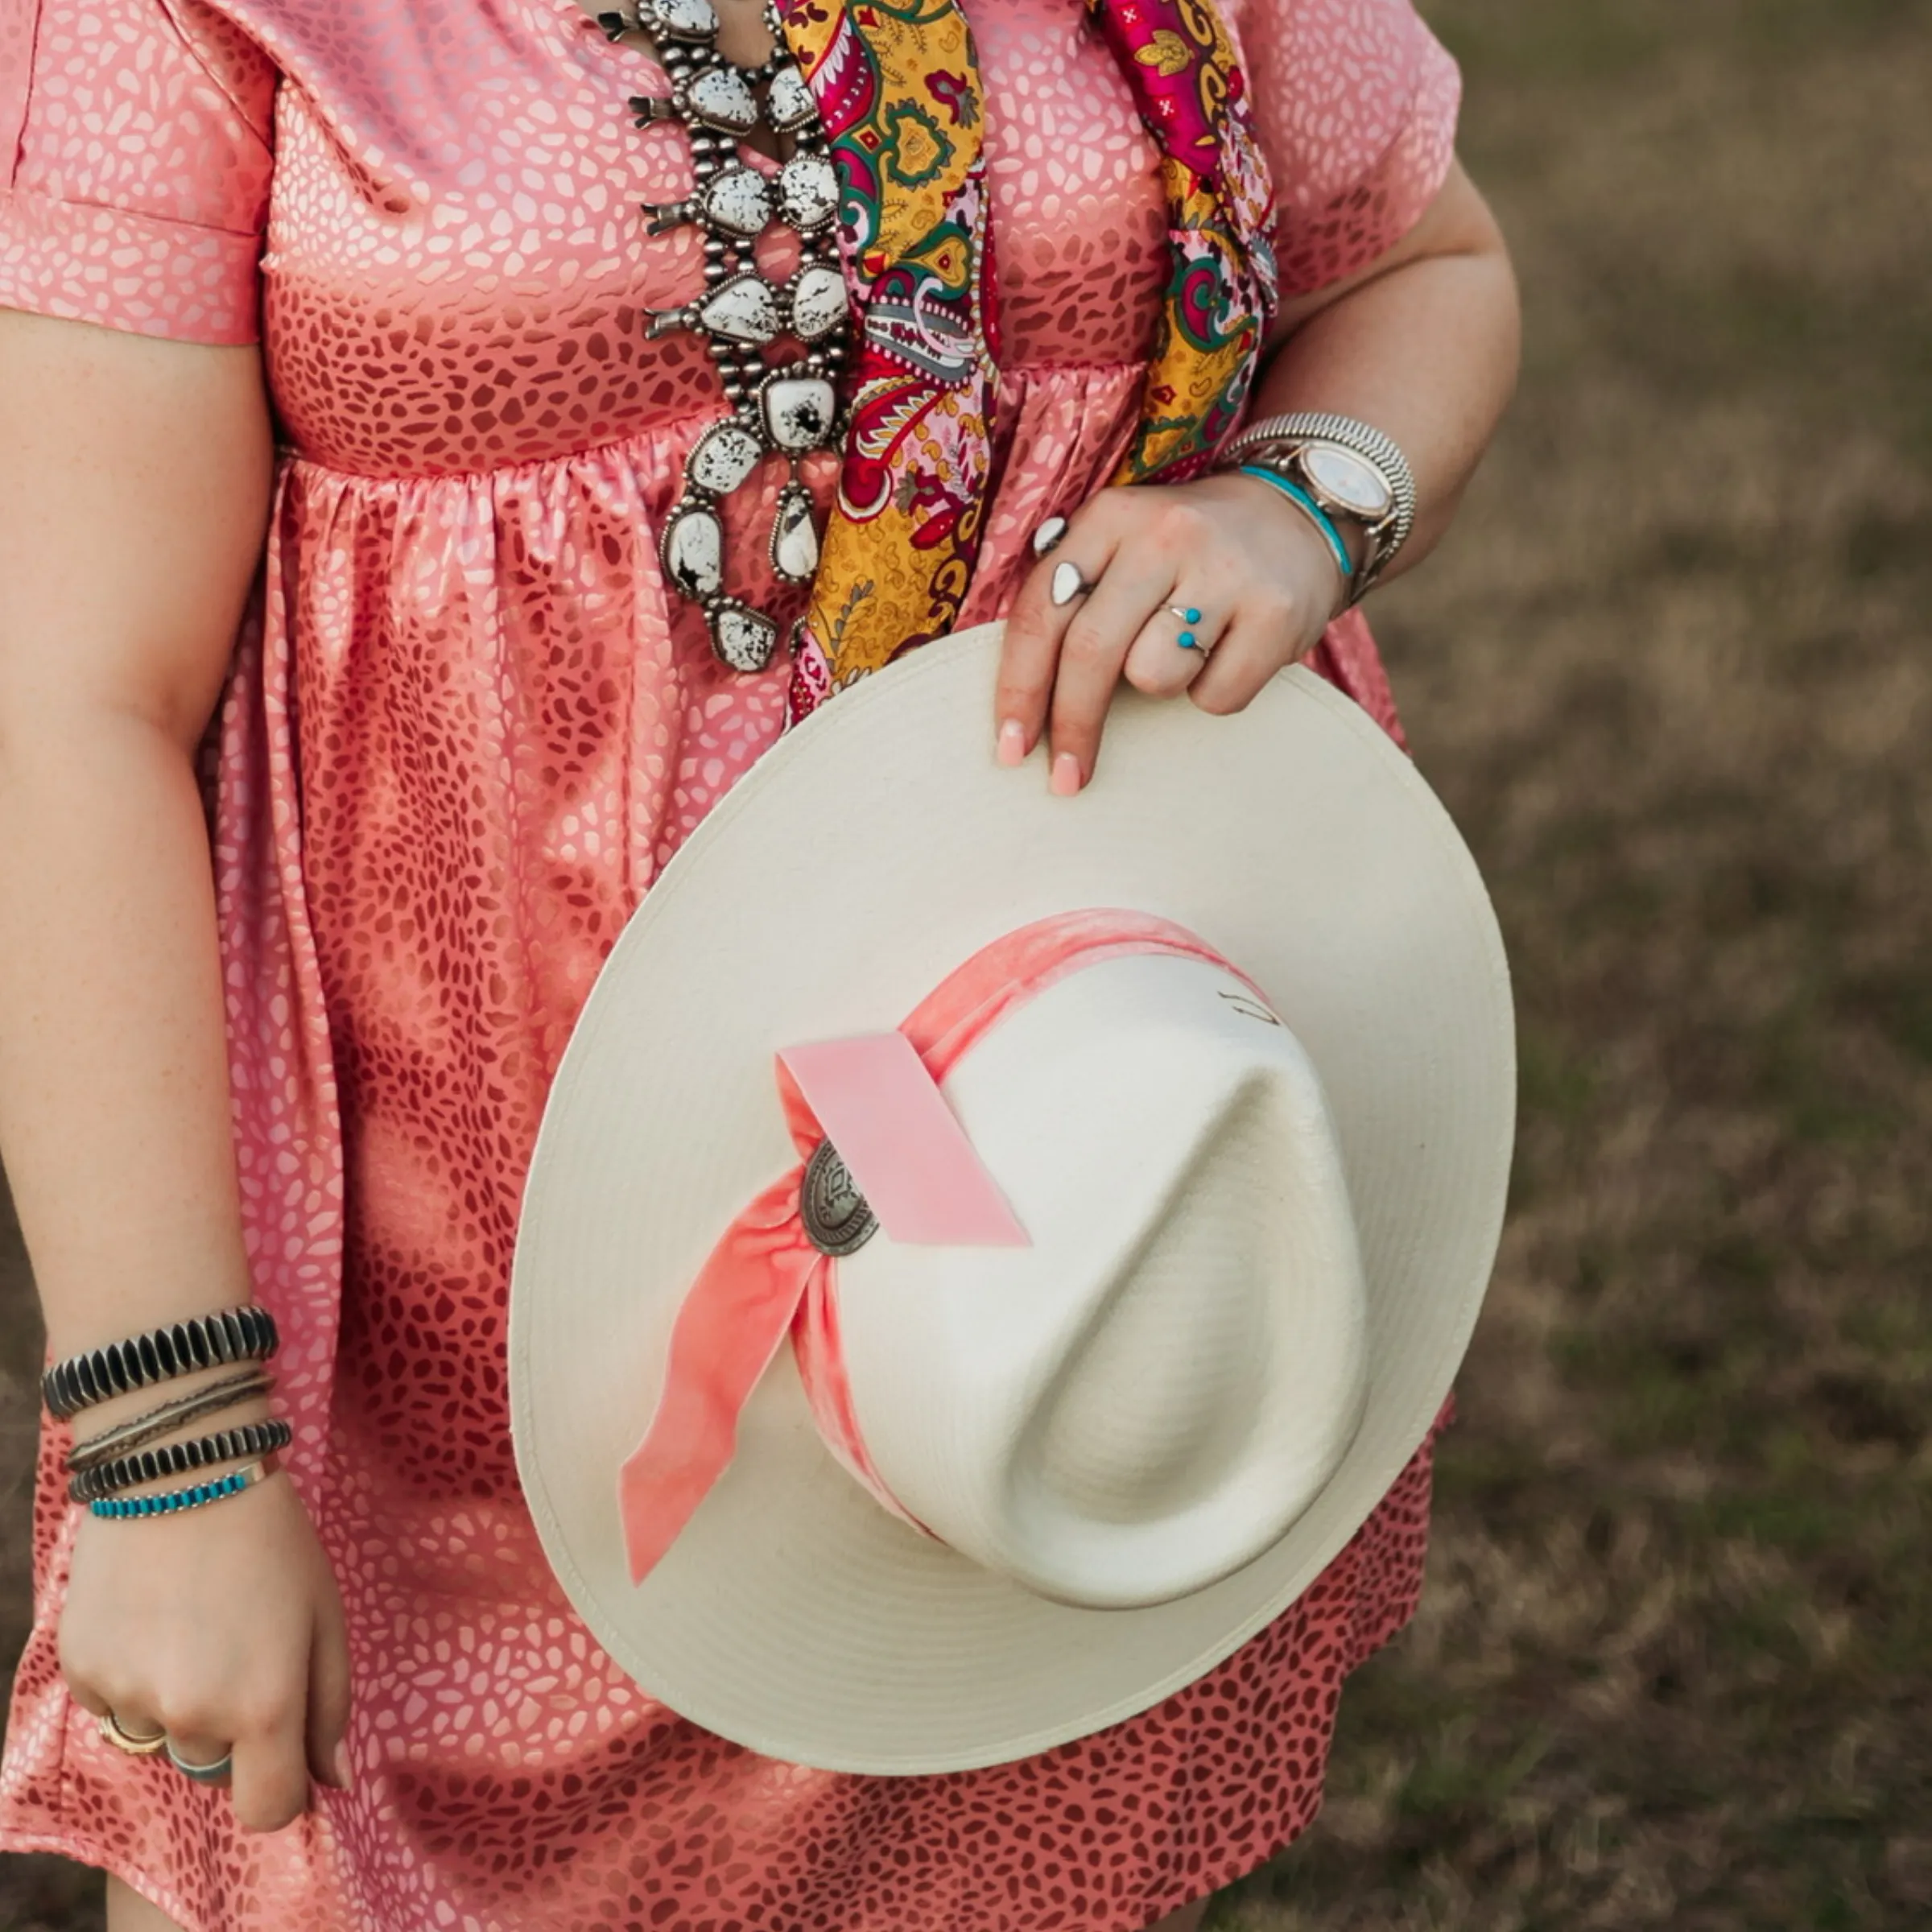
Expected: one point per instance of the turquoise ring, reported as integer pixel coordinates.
(1189, 639)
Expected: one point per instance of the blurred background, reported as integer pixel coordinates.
(1673, 676)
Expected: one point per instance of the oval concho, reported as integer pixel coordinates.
(838, 1219)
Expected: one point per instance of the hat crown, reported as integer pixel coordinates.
(1146, 1397)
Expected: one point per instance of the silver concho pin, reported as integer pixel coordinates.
(838, 1219)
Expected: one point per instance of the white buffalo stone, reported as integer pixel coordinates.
(743, 638)
(694, 553)
(743, 310)
(721, 98)
(799, 412)
(788, 101)
(738, 201)
(795, 539)
(682, 19)
(818, 303)
(723, 457)
(808, 191)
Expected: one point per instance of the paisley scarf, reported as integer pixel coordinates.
(897, 87)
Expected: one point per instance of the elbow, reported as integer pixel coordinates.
(55, 734)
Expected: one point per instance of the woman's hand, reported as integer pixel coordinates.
(1230, 547)
(222, 1627)
(1421, 343)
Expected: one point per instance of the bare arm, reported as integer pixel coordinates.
(134, 484)
(1422, 344)
(134, 481)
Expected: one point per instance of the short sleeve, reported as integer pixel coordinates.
(1356, 101)
(134, 164)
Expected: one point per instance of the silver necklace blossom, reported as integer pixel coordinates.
(786, 407)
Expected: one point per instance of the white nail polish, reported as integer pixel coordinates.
(1068, 584)
(1048, 534)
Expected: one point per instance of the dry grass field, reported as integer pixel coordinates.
(1674, 1667)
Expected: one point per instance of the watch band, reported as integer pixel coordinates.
(205, 1341)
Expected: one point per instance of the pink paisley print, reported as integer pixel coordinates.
(1221, 289)
(465, 728)
(1179, 103)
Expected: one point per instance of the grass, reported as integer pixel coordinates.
(1674, 1667)
(1674, 1664)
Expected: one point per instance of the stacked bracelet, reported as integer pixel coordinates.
(227, 1393)
(206, 1341)
(176, 1459)
(1348, 468)
(1313, 511)
(172, 1500)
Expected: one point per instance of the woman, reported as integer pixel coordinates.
(502, 632)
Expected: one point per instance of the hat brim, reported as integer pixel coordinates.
(858, 862)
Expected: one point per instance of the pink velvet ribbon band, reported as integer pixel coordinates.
(765, 1281)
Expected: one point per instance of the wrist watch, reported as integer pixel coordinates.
(1349, 468)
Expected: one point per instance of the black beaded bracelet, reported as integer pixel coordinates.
(205, 1341)
(251, 1440)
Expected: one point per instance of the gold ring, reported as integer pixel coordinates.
(131, 1742)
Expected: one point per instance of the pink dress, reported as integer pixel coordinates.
(465, 730)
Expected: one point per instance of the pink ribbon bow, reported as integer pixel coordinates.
(765, 1279)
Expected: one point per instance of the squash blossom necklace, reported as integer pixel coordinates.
(789, 407)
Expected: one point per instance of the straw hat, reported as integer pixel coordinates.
(1160, 1136)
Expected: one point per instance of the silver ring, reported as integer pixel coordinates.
(216, 1773)
(1048, 534)
(1067, 584)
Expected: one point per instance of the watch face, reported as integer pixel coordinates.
(1349, 481)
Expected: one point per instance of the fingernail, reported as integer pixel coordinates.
(1012, 743)
(1065, 780)
(345, 1771)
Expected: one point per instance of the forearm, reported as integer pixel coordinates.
(1424, 349)
(133, 490)
(114, 1117)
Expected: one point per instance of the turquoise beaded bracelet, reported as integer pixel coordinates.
(171, 1502)
(1315, 514)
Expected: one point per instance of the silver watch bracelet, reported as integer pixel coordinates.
(1364, 440)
